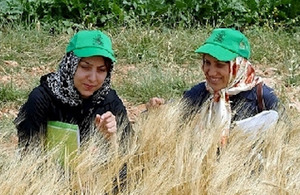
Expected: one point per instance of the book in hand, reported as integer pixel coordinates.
(64, 137)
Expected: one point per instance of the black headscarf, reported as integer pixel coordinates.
(61, 82)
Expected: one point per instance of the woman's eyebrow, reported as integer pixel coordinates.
(91, 63)
(86, 62)
(222, 63)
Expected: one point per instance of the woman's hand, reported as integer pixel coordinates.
(106, 124)
(155, 102)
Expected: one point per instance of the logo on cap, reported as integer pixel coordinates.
(98, 40)
(242, 45)
(220, 37)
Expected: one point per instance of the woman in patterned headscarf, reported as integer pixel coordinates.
(79, 93)
(231, 90)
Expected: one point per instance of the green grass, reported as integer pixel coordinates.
(144, 83)
(9, 93)
(163, 59)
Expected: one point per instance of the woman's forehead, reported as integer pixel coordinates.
(212, 59)
(96, 60)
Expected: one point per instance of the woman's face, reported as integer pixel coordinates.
(90, 75)
(216, 72)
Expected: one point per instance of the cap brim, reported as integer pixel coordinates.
(89, 52)
(217, 52)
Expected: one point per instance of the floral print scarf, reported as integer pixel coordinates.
(61, 83)
(242, 78)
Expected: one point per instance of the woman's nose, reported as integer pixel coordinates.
(92, 75)
(212, 71)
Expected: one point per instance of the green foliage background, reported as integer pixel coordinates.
(171, 13)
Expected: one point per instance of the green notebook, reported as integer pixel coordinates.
(65, 137)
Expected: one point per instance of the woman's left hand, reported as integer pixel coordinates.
(106, 123)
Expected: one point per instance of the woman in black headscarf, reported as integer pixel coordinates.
(79, 93)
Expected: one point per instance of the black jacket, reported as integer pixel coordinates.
(43, 106)
(244, 104)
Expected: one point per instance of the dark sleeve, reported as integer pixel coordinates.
(196, 95)
(194, 98)
(246, 103)
(122, 118)
(270, 99)
(117, 107)
(32, 117)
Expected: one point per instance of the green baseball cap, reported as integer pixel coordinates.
(87, 43)
(226, 44)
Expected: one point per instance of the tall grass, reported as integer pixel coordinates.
(167, 156)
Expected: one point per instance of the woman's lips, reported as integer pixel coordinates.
(88, 87)
(214, 80)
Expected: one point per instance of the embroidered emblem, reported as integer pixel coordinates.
(220, 37)
(242, 45)
(98, 40)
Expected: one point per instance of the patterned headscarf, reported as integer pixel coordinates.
(61, 82)
(242, 78)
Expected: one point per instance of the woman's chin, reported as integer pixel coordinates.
(215, 87)
(86, 95)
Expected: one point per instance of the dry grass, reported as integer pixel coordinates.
(166, 156)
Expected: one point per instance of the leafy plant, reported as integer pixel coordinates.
(10, 11)
(169, 13)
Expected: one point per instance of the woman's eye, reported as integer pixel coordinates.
(220, 65)
(206, 62)
(102, 69)
(84, 66)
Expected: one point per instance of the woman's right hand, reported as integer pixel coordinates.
(155, 102)
(106, 124)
